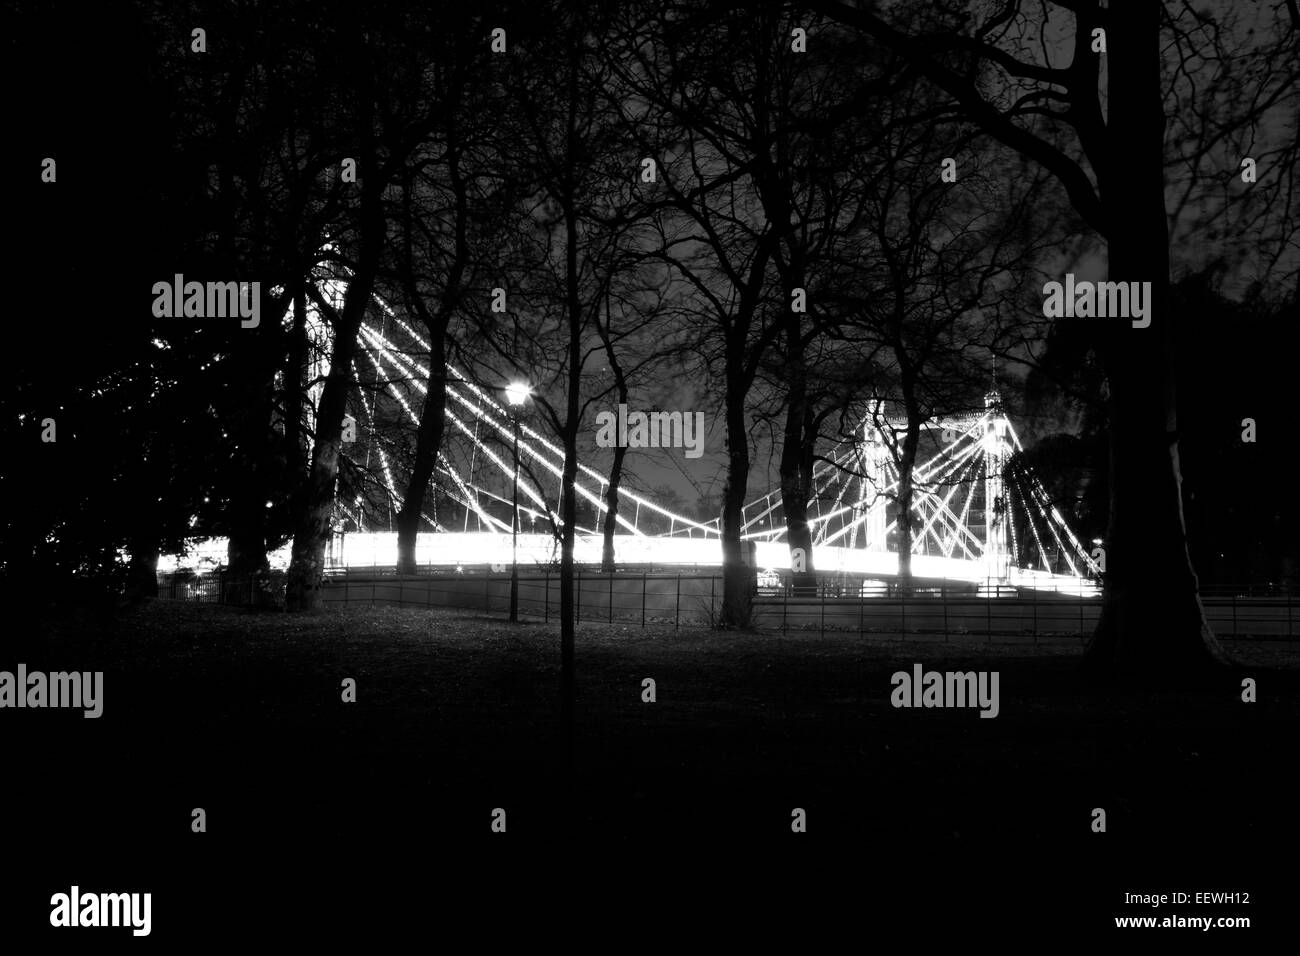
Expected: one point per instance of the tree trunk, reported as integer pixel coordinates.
(428, 442)
(607, 562)
(796, 471)
(1152, 622)
(738, 578)
(142, 572)
(572, 422)
(906, 479)
(306, 567)
(433, 415)
(906, 469)
(569, 512)
(568, 628)
(250, 523)
(796, 486)
(294, 370)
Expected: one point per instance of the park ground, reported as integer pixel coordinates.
(319, 809)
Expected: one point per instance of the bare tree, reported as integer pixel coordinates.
(376, 168)
(1097, 124)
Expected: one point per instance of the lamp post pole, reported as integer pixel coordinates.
(516, 394)
(514, 536)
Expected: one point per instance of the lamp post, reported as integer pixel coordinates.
(516, 395)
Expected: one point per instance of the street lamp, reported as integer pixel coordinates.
(516, 394)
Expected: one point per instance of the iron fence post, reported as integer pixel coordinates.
(862, 607)
(823, 594)
(677, 609)
(943, 597)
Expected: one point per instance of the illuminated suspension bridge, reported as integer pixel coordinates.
(977, 515)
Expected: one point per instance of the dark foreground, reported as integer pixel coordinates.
(373, 819)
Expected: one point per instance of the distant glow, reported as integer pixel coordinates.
(456, 551)
(517, 393)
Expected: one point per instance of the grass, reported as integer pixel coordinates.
(457, 714)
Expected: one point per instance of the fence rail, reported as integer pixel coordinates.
(946, 610)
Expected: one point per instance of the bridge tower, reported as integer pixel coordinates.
(875, 459)
(997, 451)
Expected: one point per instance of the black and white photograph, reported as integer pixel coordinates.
(593, 474)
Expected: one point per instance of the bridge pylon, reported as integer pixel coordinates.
(997, 452)
(875, 466)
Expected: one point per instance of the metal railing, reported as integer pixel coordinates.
(223, 588)
(644, 597)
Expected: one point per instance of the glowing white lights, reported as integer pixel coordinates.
(517, 393)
